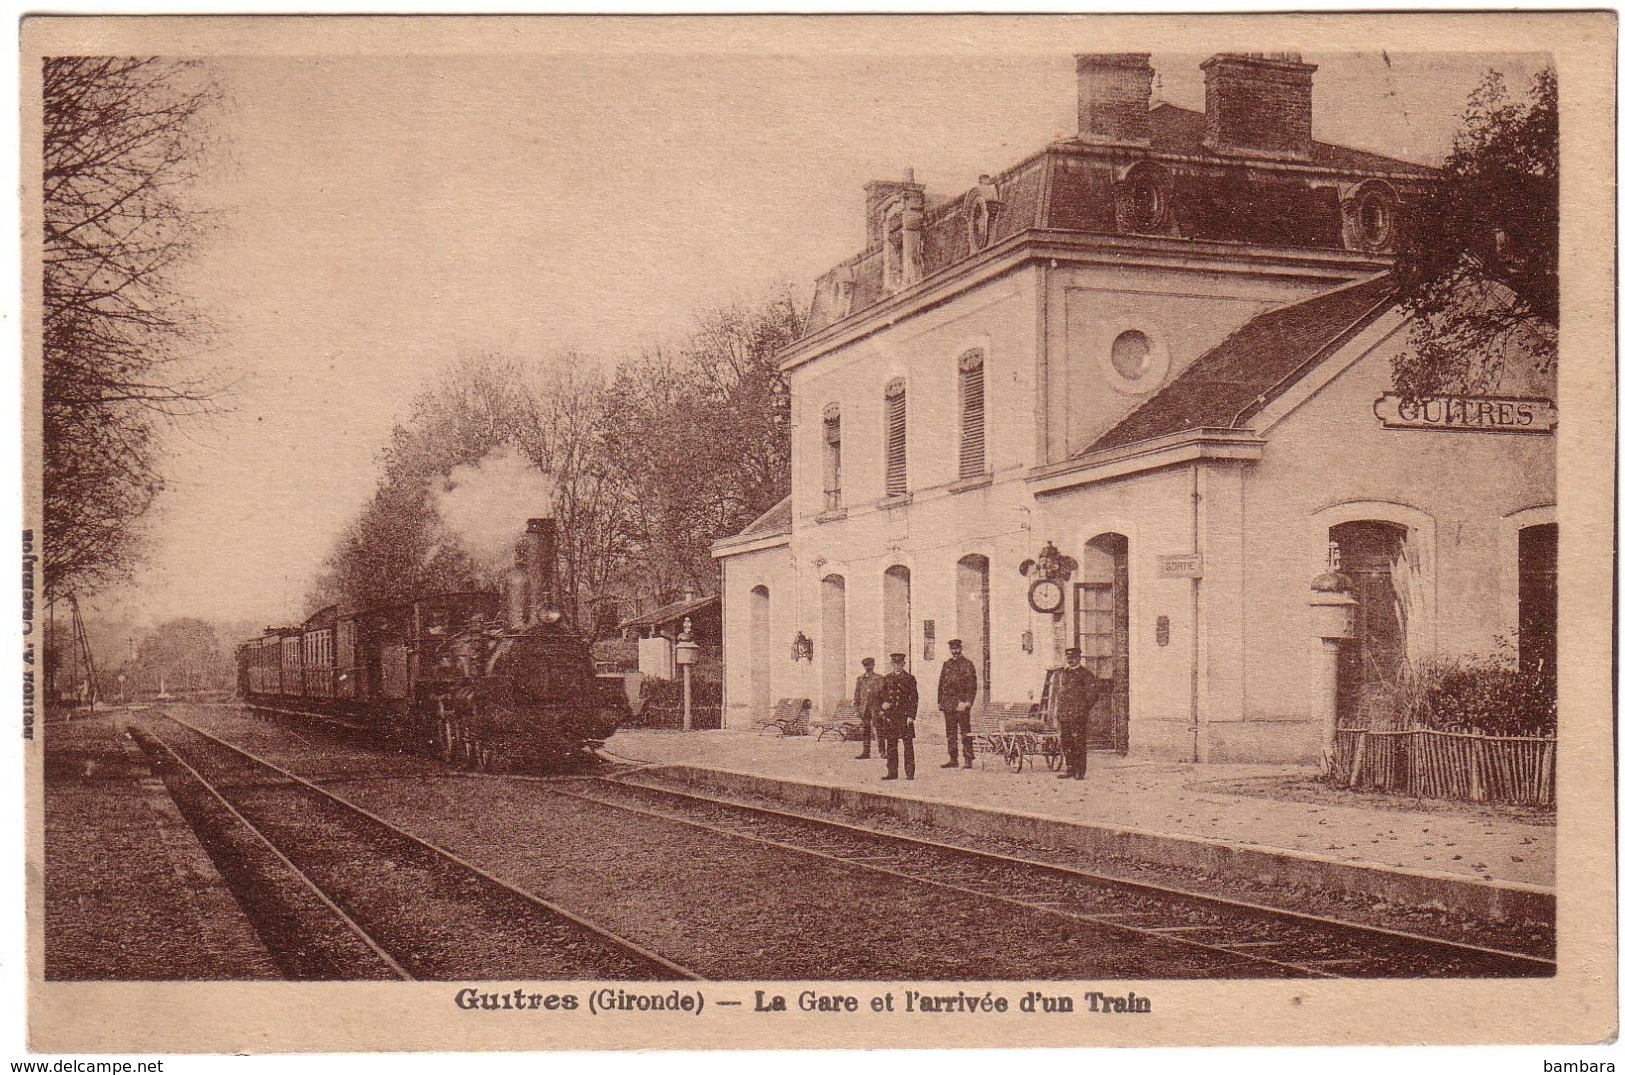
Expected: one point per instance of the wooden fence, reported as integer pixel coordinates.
(1448, 765)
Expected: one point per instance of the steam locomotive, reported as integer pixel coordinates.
(484, 681)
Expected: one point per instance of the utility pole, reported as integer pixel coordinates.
(81, 648)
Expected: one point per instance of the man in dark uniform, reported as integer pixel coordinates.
(899, 704)
(956, 690)
(1074, 691)
(866, 700)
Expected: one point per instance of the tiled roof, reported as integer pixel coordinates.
(775, 520)
(672, 613)
(1070, 186)
(1254, 364)
(1180, 130)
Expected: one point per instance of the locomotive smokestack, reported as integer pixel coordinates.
(540, 552)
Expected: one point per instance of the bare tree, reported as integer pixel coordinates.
(681, 446)
(123, 138)
(399, 547)
(593, 513)
(700, 438)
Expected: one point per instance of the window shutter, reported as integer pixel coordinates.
(973, 416)
(896, 439)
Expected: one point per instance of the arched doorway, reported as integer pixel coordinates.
(1373, 554)
(833, 591)
(896, 624)
(761, 673)
(1100, 630)
(971, 607)
(1537, 599)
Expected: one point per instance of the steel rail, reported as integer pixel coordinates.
(320, 718)
(1528, 965)
(1040, 907)
(529, 897)
(338, 912)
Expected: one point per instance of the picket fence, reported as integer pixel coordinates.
(1448, 765)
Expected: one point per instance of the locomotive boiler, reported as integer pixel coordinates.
(482, 680)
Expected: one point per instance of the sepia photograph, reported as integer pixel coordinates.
(818, 532)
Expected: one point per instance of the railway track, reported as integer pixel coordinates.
(338, 892)
(1125, 928)
(1278, 942)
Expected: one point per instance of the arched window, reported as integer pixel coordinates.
(896, 599)
(832, 457)
(972, 416)
(896, 439)
(833, 601)
(761, 674)
(973, 610)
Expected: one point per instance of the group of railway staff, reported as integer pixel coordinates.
(888, 704)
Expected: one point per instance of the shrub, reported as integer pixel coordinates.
(1488, 696)
(668, 693)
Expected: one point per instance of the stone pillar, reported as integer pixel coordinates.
(1331, 612)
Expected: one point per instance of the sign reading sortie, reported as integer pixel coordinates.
(1467, 414)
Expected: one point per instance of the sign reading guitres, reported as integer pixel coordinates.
(1472, 414)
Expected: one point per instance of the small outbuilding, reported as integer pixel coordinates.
(656, 633)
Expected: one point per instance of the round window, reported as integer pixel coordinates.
(1146, 199)
(1131, 355)
(1375, 219)
(1143, 200)
(1135, 363)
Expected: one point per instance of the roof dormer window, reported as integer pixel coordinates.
(892, 247)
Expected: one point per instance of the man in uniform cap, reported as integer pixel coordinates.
(899, 704)
(1073, 690)
(866, 700)
(956, 690)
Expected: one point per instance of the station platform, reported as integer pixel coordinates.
(130, 893)
(1273, 822)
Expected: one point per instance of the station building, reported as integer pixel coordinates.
(1133, 394)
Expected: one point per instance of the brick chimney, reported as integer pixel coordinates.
(1114, 97)
(1259, 104)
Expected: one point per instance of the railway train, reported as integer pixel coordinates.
(483, 680)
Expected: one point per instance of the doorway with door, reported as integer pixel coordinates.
(1100, 630)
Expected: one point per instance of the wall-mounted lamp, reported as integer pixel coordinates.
(802, 648)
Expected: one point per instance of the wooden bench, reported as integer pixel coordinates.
(788, 716)
(843, 722)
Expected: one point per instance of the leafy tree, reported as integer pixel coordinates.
(1477, 266)
(122, 139)
(181, 654)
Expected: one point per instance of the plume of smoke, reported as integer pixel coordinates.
(487, 503)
